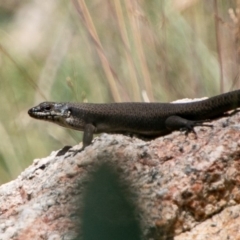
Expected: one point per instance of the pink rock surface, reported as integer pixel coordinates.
(186, 188)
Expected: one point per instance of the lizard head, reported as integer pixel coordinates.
(52, 112)
(58, 113)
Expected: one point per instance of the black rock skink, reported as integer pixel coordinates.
(148, 120)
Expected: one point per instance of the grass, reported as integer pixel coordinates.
(106, 51)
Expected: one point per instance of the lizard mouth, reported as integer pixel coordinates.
(47, 115)
(40, 115)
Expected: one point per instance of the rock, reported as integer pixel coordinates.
(183, 187)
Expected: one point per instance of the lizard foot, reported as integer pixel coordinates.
(74, 152)
(189, 127)
(63, 151)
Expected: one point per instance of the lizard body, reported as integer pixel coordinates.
(143, 119)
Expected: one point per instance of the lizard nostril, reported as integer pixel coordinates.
(30, 111)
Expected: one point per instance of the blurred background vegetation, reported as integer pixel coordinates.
(106, 51)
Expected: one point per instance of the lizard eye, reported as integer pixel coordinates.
(48, 108)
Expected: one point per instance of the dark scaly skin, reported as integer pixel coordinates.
(143, 119)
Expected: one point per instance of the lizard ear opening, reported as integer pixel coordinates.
(69, 113)
(66, 113)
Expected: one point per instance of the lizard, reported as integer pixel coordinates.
(145, 120)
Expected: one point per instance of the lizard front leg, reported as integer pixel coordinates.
(88, 132)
